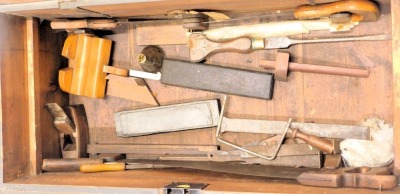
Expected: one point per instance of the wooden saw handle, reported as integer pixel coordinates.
(200, 46)
(362, 10)
(102, 167)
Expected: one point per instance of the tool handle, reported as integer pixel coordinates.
(116, 71)
(102, 167)
(200, 46)
(265, 30)
(73, 164)
(361, 10)
(345, 39)
(331, 70)
(317, 142)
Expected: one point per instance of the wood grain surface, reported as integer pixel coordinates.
(48, 91)
(305, 97)
(14, 98)
(163, 7)
(396, 81)
(157, 179)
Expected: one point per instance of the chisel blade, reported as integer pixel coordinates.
(233, 168)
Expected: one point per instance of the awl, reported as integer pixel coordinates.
(200, 46)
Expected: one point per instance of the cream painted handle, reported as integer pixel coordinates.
(273, 29)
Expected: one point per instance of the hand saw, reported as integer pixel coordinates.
(336, 16)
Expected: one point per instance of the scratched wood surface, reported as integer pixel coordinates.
(163, 7)
(396, 81)
(304, 97)
(14, 99)
(46, 78)
(157, 179)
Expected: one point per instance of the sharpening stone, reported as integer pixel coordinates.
(217, 79)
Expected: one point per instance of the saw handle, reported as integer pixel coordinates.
(87, 168)
(360, 10)
(322, 144)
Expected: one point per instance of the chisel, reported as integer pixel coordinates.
(118, 167)
(224, 167)
(200, 47)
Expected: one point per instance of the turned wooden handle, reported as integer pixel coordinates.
(361, 10)
(322, 144)
(73, 164)
(200, 46)
(116, 71)
(102, 167)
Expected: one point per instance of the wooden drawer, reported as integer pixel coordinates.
(30, 59)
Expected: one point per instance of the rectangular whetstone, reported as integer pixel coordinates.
(217, 79)
(162, 119)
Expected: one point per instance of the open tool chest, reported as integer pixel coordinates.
(31, 64)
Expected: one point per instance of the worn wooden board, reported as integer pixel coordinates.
(14, 99)
(305, 97)
(18, 1)
(47, 88)
(32, 64)
(396, 81)
(151, 181)
(173, 30)
(125, 9)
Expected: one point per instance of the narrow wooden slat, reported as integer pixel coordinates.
(396, 81)
(140, 8)
(121, 148)
(32, 48)
(14, 99)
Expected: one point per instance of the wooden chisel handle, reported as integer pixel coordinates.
(312, 140)
(67, 164)
(200, 46)
(102, 167)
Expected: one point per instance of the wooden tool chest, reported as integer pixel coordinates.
(30, 59)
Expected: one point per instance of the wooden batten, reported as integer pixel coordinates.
(32, 63)
(14, 98)
(395, 6)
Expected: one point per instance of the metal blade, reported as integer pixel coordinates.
(285, 42)
(277, 127)
(145, 75)
(134, 166)
(233, 168)
(278, 42)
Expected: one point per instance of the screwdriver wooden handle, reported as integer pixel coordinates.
(322, 144)
(102, 167)
(200, 46)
